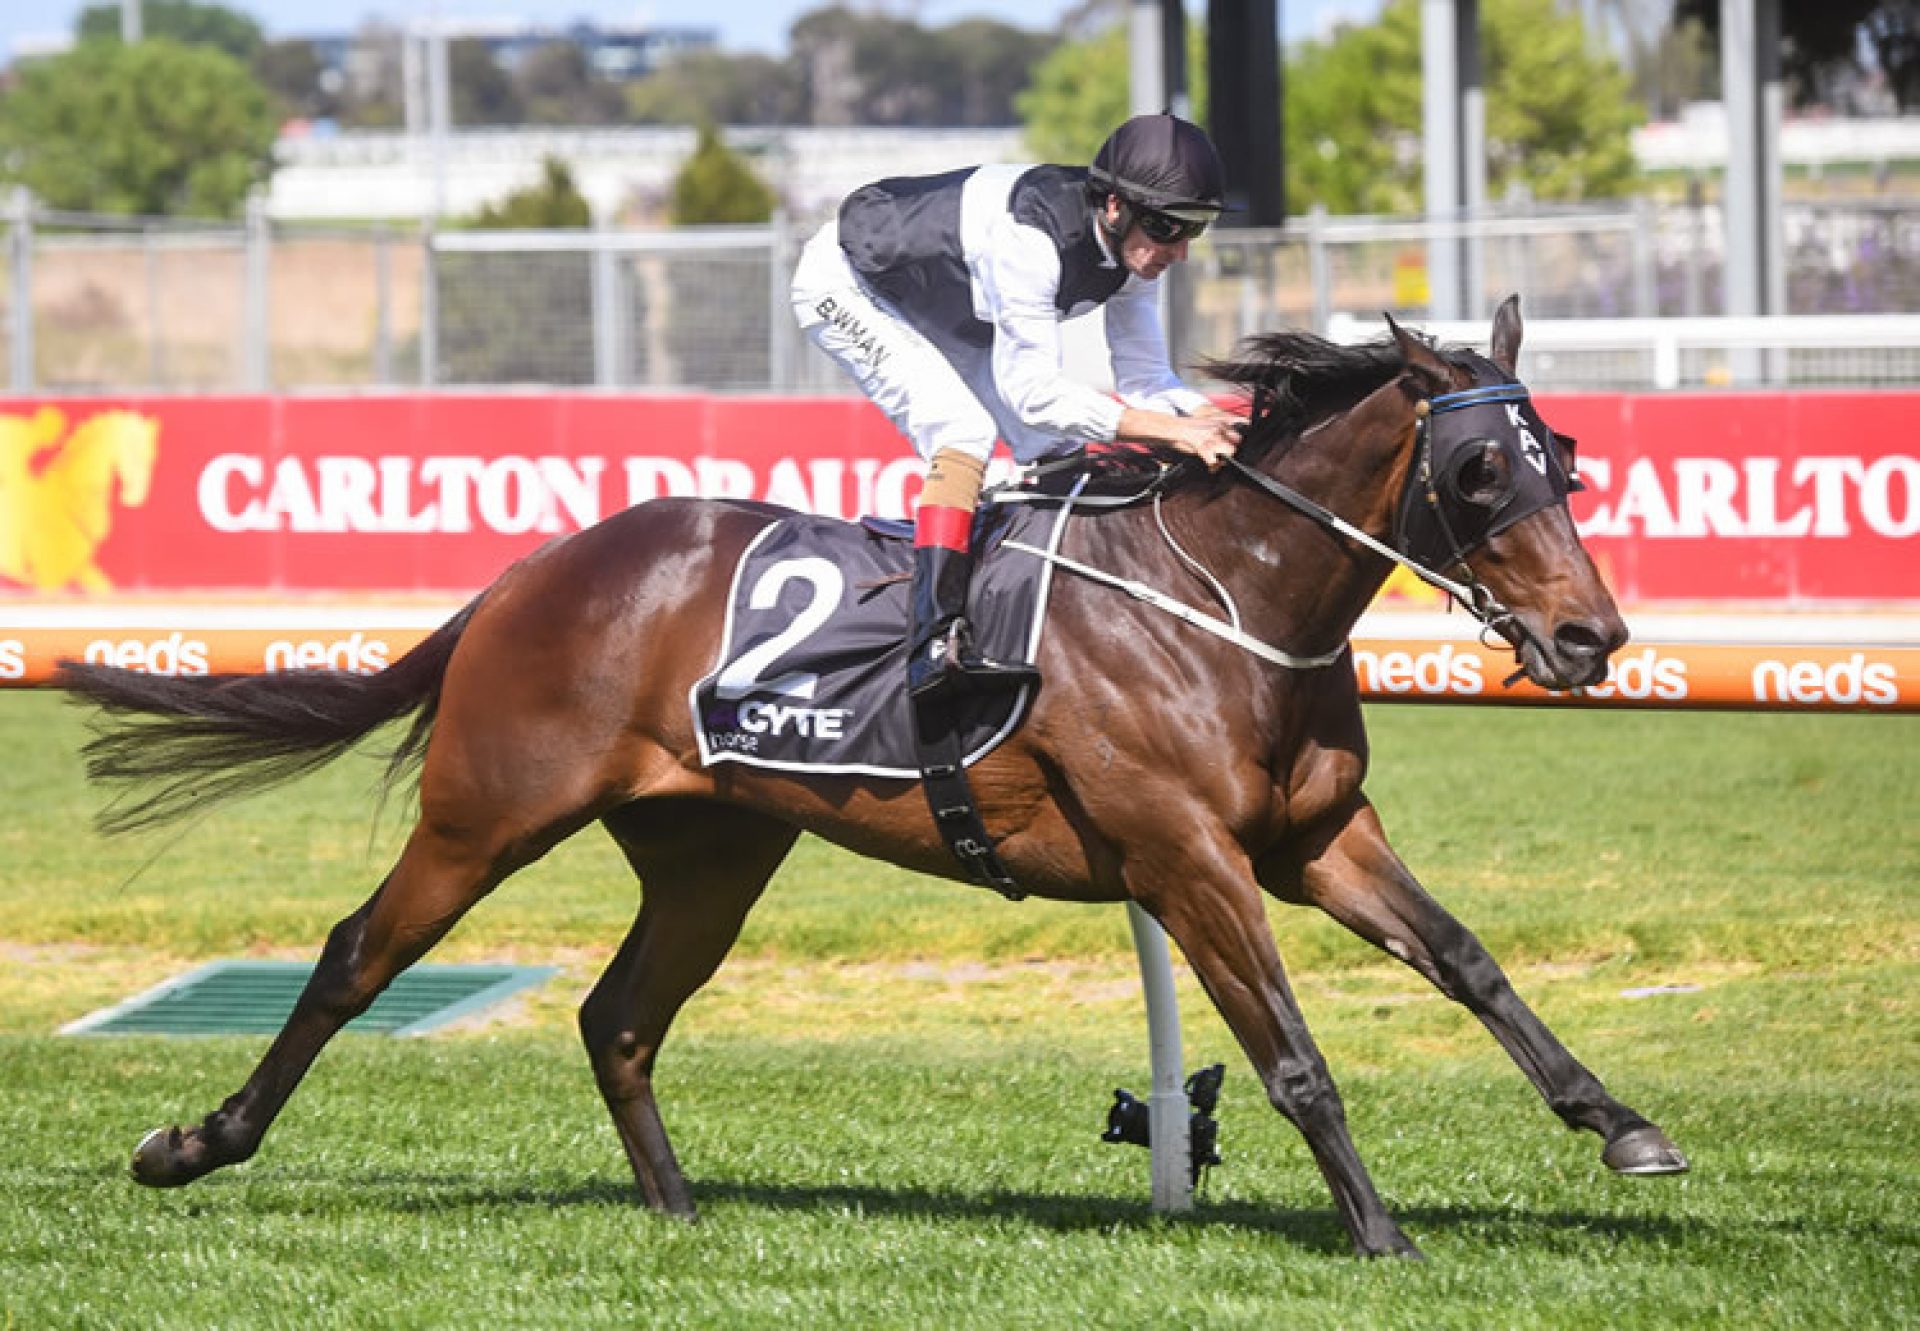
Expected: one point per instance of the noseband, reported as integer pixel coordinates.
(1474, 475)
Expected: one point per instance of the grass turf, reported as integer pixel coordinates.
(888, 1101)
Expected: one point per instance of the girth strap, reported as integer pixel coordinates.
(950, 797)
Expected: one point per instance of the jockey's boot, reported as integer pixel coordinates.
(941, 660)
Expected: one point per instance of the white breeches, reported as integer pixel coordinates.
(904, 374)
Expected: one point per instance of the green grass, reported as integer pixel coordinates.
(889, 1099)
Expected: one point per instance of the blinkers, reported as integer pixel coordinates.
(1484, 461)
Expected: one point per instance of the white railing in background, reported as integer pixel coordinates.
(1666, 343)
(1616, 298)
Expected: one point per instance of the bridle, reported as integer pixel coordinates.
(1426, 538)
(1486, 419)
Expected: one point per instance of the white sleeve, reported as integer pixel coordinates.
(1019, 276)
(1138, 349)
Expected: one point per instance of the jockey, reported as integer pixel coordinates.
(942, 296)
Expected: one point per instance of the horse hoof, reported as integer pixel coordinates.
(1644, 1151)
(157, 1163)
(1390, 1243)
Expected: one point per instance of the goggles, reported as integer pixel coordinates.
(1166, 229)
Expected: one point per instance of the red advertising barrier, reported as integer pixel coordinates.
(1793, 677)
(1791, 499)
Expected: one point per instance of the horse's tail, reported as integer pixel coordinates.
(174, 745)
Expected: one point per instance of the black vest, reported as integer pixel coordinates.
(903, 236)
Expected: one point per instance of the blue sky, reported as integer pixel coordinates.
(743, 25)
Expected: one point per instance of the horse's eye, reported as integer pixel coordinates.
(1481, 476)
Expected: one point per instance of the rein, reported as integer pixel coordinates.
(1468, 594)
(1471, 594)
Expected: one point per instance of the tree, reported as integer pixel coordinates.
(520, 317)
(707, 86)
(555, 202)
(184, 21)
(374, 93)
(291, 72)
(150, 129)
(1674, 67)
(559, 87)
(992, 64)
(478, 90)
(874, 69)
(1821, 41)
(717, 186)
(1079, 93)
(1559, 117)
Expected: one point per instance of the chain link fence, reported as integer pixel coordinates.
(108, 305)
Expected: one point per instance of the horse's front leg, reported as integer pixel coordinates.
(1347, 869)
(1203, 891)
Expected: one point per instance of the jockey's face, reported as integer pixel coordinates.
(1144, 256)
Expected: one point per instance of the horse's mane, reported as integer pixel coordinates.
(1293, 381)
(1296, 380)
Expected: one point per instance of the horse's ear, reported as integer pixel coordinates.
(1422, 361)
(1505, 351)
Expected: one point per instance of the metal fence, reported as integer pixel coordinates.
(109, 305)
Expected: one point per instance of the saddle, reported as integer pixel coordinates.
(812, 666)
(812, 669)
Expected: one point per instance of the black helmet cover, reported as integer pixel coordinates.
(1164, 163)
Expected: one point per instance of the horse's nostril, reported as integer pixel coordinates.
(1580, 639)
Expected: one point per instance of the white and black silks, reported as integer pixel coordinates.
(974, 271)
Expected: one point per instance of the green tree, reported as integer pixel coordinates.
(554, 203)
(875, 69)
(291, 72)
(1559, 117)
(151, 129)
(185, 21)
(1821, 40)
(526, 317)
(992, 64)
(704, 86)
(559, 87)
(717, 186)
(478, 90)
(1079, 94)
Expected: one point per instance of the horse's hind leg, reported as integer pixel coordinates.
(438, 876)
(1352, 874)
(702, 867)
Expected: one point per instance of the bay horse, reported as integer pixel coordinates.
(1158, 764)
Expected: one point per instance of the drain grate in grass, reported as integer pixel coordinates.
(255, 997)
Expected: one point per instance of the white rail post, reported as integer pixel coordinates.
(256, 342)
(20, 280)
(1167, 1106)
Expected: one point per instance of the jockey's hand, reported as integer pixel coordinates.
(1213, 438)
(1210, 434)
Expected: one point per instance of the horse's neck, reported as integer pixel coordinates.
(1296, 584)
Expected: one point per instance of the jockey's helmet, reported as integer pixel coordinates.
(1162, 167)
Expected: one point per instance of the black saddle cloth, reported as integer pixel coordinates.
(813, 661)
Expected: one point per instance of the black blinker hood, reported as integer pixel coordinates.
(1438, 525)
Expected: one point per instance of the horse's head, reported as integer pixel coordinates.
(1486, 504)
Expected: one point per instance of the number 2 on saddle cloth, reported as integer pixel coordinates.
(812, 670)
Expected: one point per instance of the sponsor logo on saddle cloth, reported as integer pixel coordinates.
(813, 660)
